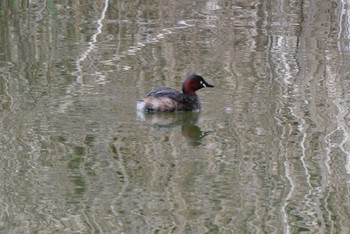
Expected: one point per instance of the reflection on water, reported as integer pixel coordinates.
(168, 121)
(269, 152)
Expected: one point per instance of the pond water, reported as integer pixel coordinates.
(268, 153)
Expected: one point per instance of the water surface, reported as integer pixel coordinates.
(268, 153)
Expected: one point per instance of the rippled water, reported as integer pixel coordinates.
(269, 152)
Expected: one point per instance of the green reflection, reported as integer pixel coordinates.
(80, 186)
(17, 5)
(76, 158)
(13, 5)
(74, 164)
(89, 140)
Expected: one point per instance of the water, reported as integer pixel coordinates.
(268, 153)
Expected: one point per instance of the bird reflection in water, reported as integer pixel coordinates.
(169, 120)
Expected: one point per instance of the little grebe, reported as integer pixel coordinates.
(166, 99)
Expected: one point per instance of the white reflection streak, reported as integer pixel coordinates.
(289, 195)
(340, 25)
(287, 168)
(343, 111)
(91, 44)
(343, 12)
(330, 84)
(314, 191)
(338, 96)
(285, 61)
(303, 133)
(132, 50)
(302, 145)
(342, 127)
(287, 81)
